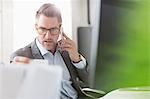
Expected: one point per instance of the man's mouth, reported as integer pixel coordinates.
(48, 41)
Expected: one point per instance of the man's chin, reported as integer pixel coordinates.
(48, 48)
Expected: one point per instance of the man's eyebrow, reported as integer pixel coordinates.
(42, 27)
(49, 28)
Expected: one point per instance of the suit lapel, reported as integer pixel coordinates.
(68, 63)
(72, 71)
(35, 51)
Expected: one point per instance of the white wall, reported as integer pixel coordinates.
(0, 30)
(6, 29)
(93, 10)
(79, 16)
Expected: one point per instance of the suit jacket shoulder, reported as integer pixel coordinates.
(31, 51)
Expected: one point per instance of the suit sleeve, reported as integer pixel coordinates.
(25, 52)
(82, 70)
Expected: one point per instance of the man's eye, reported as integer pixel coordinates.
(44, 30)
(53, 29)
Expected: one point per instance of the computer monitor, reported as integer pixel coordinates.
(122, 55)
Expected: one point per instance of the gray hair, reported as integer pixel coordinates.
(49, 10)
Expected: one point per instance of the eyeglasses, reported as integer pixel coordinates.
(53, 31)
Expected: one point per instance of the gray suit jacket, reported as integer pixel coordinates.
(79, 77)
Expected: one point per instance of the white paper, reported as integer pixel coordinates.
(42, 82)
(11, 78)
(33, 81)
(39, 61)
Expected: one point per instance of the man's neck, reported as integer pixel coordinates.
(52, 51)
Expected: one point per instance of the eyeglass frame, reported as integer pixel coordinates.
(45, 31)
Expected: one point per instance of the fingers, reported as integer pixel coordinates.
(66, 39)
(65, 36)
(67, 42)
(66, 45)
(21, 59)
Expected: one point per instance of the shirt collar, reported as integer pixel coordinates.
(42, 49)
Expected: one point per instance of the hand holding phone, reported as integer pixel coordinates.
(66, 44)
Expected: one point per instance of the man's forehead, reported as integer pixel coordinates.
(48, 21)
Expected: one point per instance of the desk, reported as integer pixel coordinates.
(129, 93)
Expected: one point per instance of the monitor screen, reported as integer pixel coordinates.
(122, 55)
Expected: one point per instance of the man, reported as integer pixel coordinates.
(63, 53)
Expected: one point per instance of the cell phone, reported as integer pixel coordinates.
(61, 34)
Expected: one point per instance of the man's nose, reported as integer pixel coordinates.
(48, 34)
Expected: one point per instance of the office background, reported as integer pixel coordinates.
(122, 56)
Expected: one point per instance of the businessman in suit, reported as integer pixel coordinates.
(64, 52)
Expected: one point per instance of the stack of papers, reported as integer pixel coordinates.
(32, 81)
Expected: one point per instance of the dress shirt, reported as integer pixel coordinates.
(67, 91)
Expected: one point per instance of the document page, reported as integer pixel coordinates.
(32, 81)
